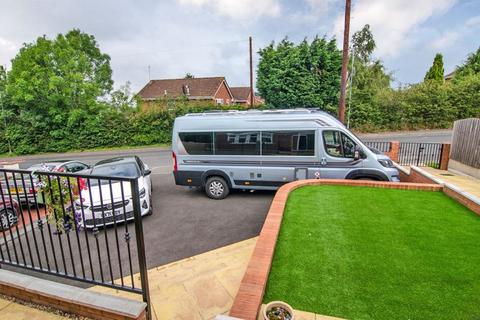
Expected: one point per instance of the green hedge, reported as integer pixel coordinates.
(109, 127)
(428, 105)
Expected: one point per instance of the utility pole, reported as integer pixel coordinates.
(343, 85)
(350, 87)
(149, 78)
(251, 74)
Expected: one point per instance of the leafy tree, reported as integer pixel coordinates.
(369, 78)
(4, 146)
(122, 99)
(471, 66)
(53, 86)
(3, 83)
(363, 44)
(436, 71)
(189, 76)
(367, 83)
(303, 75)
(464, 95)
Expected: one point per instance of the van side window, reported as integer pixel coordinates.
(197, 142)
(338, 144)
(288, 143)
(237, 143)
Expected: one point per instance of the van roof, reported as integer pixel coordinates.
(294, 117)
(250, 112)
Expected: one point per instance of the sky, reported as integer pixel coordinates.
(169, 38)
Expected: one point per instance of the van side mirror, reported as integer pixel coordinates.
(147, 172)
(358, 153)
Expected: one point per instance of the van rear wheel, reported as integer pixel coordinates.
(216, 188)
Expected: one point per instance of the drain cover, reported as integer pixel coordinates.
(447, 174)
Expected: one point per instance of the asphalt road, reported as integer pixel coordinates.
(424, 136)
(184, 221)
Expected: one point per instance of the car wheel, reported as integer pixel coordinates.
(216, 188)
(8, 218)
(150, 206)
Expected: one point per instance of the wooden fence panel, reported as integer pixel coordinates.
(466, 142)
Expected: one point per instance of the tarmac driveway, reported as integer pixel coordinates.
(184, 222)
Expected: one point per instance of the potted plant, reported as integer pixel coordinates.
(278, 310)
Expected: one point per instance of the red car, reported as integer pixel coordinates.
(8, 214)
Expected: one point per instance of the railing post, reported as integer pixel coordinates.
(394, 150)
(445, 156)
(142, 261)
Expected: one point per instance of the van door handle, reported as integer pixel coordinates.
(323, 161)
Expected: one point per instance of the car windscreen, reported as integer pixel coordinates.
(114, 170)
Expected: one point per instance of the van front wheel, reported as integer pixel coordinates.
(216, 188)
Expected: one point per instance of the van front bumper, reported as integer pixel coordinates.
(395, 179)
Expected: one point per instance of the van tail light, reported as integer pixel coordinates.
(175, 166)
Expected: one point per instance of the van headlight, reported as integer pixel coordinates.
(142, 193)
(387, 163)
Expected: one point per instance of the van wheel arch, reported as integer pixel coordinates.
(213, 173)
(365, 174)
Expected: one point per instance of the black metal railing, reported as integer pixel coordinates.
(75, 226)
(379, 145)
(420, 154)
(413, 153)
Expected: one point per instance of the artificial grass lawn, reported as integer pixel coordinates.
(371, 253)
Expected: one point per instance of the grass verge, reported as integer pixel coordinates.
(370, 253)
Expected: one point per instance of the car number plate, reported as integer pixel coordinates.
(108, 214)
(14, 190)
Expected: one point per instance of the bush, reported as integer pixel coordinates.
(109, 127)
(427, 105)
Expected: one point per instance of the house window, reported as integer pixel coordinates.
(219, 101)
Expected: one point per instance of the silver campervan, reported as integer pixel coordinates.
(265, 149)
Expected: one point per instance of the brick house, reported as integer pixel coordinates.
(159, 92)
(241, 95)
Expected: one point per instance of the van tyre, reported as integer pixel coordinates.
(216, 188)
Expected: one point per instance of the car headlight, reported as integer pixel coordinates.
(80, 205)
(142, 193)
(387, 163)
